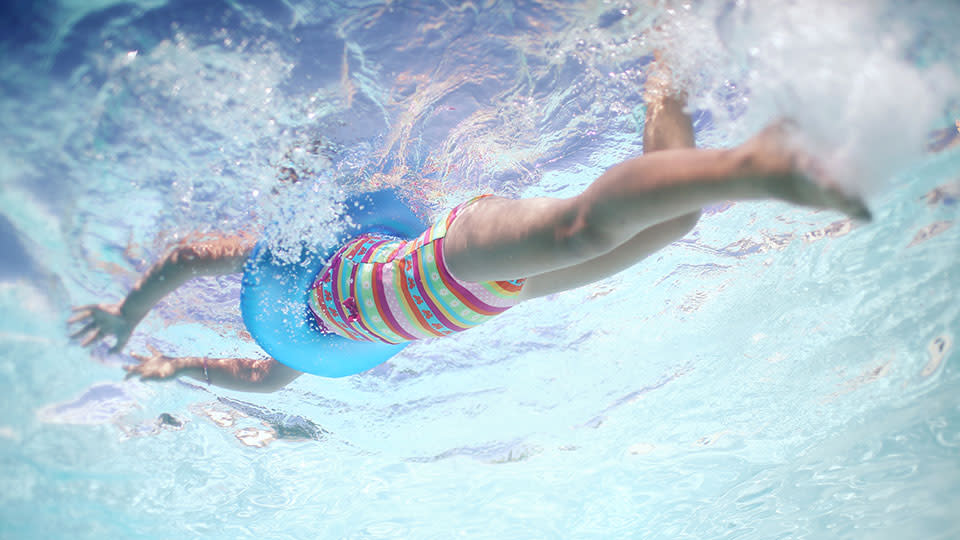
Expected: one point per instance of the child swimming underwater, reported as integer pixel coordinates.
(489, 253)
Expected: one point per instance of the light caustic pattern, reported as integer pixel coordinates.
(777, 373)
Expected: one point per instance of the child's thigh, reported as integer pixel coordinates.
(501, 239)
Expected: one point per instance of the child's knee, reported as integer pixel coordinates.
(589, 238)
(686, 223)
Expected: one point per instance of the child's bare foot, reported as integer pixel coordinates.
(788, 173)
(659, 84)
(666, 125)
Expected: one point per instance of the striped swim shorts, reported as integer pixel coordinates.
(381, 288)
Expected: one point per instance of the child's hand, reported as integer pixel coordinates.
(155, 366)
(100, 321)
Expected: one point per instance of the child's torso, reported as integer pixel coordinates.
(380, 288)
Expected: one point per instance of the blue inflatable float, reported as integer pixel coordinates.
(274, 296)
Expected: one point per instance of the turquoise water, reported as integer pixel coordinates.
(779, 373)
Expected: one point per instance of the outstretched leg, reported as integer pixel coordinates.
(500, 239)
(665, 126)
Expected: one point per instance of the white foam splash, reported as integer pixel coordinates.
(306, 212)
(849, 73)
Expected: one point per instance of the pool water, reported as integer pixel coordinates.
(778, 373)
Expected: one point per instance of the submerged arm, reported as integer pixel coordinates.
(211, 257)
(216, 256)
(244, 374)
(224, 255)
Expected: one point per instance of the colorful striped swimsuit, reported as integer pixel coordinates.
(381, 288)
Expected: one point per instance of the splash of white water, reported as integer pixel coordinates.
(852, 75)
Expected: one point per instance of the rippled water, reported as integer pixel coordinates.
(779, 373)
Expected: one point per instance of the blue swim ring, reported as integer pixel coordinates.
(274, 294)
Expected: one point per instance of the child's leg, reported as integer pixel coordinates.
(497, 239)
(666, 126)
(644, 243)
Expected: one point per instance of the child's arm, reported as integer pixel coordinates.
(216, 256)
(243, 374)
